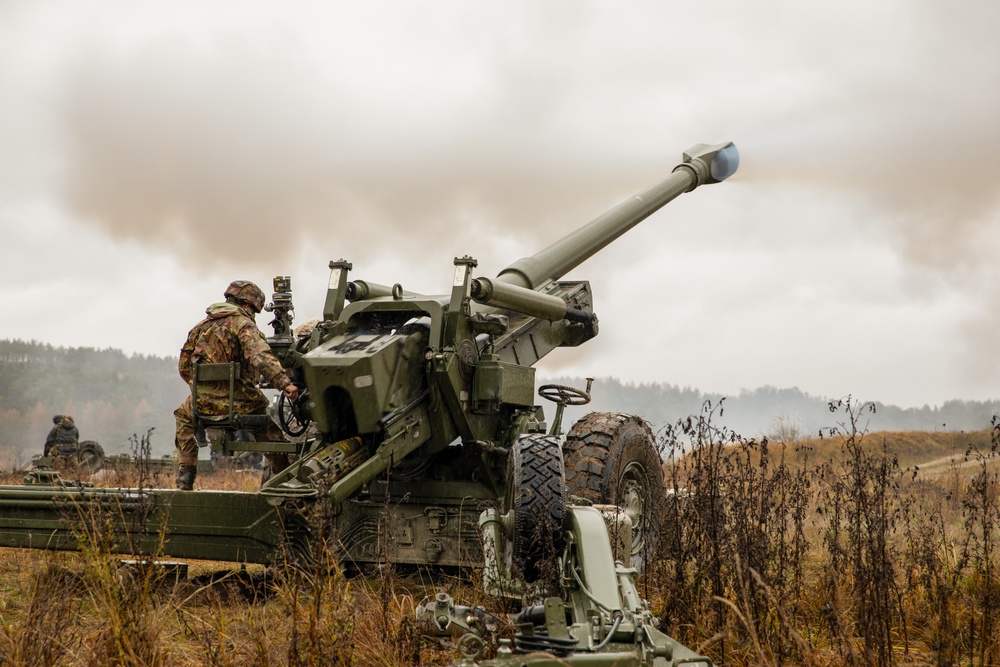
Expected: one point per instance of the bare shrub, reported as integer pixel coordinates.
(736, 508)
(981, 512)
(785, 429)
(776, 555)
(313, 591)
(861, 504)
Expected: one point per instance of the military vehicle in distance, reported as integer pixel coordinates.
(64, 451)
(418, 424)
(87, 454)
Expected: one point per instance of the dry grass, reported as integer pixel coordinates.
(853, 549)
(88, 609)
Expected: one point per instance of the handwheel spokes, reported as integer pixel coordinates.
(290, 415)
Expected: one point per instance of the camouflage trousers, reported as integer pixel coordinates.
(187, 445)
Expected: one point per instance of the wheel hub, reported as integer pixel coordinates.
(632, 500)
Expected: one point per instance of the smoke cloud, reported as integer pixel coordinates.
(237, 138)
(911, 126)
(255, 145)
(247, 154)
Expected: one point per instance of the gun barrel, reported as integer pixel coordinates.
(702, 164)
(526, 301)
(360, 290)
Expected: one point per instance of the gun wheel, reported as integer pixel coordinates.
(612, 459)
(537, 496)
(90, 455)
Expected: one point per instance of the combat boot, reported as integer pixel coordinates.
(185, 477)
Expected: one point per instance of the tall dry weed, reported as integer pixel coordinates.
(777, 555)
(132, 615)
(735, 506)
(862, 507)
(47, 633)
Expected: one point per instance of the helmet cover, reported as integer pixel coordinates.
(247, 292)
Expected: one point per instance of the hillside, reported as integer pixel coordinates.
(924, 452)
(921, 449)
(768, 410)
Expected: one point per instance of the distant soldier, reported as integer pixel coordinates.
(64, 432)
(230, 334)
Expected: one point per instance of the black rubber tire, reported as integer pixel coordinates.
(537, 494)
(90, 455)
(612, 459)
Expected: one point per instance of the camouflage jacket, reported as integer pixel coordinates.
(63, 435)
(230, 333)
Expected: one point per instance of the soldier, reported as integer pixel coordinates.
(230, 334)
(64, 432)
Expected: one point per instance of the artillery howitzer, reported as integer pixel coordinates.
(88, 455)
(418, 425)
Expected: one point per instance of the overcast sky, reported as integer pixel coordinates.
(151, 152)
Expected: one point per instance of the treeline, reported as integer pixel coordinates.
(114, 396)
(32, 373)
(111, 395)
(788, 413)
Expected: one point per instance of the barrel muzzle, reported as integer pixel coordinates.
(710, 164)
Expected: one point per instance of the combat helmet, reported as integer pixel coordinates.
(247, 292)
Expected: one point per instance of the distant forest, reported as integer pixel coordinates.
(113, 396)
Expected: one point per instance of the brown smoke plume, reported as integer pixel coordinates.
(247, 159)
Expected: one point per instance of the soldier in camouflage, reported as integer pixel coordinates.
(64, 432)
(230, 334)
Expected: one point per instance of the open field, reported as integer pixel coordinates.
(854, 548)
(848, 550)
(88, 609)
